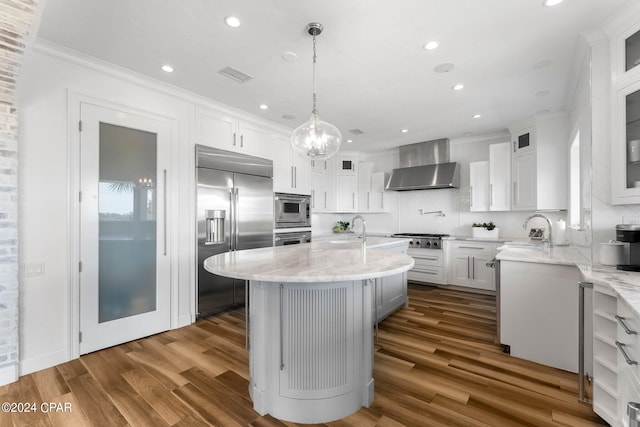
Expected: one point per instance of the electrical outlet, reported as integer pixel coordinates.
(34, 269)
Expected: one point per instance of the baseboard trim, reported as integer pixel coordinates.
(9, 374)
(45, 361)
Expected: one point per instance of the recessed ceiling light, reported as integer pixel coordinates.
(404, 130)
(289, 56)
(167, 68)
(349, 141)
(232, 21)
(264, 107)
(458, 86)
(288, 117)
(430, 45)
(542, 93)
(477, 116)
(550, 3)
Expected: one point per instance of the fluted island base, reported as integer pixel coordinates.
(311, 349)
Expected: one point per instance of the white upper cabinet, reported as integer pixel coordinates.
(323, 185)
(500, 177)
(222, 130)
(291, 173)
(479, 186)
(540, 171)
(371, 188)
(347, 182)
(625, 157)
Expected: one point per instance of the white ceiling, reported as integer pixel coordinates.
(373, 73)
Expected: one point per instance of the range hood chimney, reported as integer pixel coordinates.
(425, 166)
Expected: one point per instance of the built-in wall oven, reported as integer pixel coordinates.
(292, 210)
(292, 238)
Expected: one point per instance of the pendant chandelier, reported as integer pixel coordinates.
(316, 139)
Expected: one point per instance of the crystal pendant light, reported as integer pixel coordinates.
(316, 139)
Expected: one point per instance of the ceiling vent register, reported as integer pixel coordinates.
(235, 74)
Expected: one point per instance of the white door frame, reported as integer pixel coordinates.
(73, 217)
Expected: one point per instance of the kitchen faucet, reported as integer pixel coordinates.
(537, 215)
(364, 227)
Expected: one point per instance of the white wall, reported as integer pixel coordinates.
(45, 174)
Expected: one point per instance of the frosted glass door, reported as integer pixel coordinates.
(125, 274)
(127, 222)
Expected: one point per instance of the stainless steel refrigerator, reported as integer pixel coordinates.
(234, 212)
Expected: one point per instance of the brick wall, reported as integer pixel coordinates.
(18, 23)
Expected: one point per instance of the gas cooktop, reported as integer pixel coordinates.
(423, 240)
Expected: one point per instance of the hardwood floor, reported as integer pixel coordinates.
(436, 363)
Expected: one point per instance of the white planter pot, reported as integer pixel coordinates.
(483, 233)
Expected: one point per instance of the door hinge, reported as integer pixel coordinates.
(80, 336)
(80, 125)
(80, 266)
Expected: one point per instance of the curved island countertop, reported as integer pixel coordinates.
(311, 310)
(315, 262)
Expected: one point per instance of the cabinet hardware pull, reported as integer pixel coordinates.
(515, 193)
(430, 272)
(468, 269)
(164, 208)
(353, 200)
(624, 325)
(281, 327)
(368, 200)
(382, 199)
(430, 258)
(295, 177)
(470, 247)
(471, 196)
(624, 354)
(292, 175)
(514, 146)
(241, 141)
(473, 268)
(313, 199)
(325, 200)
(234, 139)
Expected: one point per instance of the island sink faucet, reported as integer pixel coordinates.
(364, 227)
(537, 215)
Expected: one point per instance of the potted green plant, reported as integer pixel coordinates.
(341, 227)
(485, 230)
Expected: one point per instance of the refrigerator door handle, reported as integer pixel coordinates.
(232, 222)
(236, 220)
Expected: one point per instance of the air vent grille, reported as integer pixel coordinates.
(356, 131)
(235, 74)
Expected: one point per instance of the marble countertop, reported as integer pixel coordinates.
(315, 262)
(560, 255)
(626, 284)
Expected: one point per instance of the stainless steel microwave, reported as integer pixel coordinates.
(292, 210)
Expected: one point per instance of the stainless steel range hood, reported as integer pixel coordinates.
(425, 166)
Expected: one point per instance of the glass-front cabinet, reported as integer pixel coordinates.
(626, 117)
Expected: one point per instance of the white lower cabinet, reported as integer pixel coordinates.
(428, 267)
(391, 291)
(468, 265)
(628, 359)
(605, 359)
(539, 312)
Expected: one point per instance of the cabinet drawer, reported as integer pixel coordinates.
(473, 247)
(430, 258)
(627, 336)
(429, 275)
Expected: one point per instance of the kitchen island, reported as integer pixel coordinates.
(309, 323)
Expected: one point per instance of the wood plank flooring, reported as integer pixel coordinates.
(436, 364)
